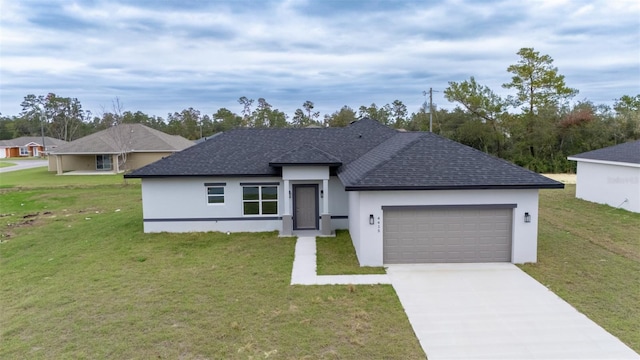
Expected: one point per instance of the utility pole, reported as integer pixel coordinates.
(424, 93)
(44, 147)
(430, 109)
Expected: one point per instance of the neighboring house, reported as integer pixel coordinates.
(27, 146)
(117, 149)
(610, 176)
(406, 197)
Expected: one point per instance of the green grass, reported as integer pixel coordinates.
(81, 280)
(589, 254)
(40, 177)
(4, 164)
(336, 256)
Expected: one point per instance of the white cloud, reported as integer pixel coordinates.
(165, 57)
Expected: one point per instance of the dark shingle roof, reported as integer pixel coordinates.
(373, 157)
(628, 153)
(127, 138)
(425, 161)
(248, 152)
(305, 155)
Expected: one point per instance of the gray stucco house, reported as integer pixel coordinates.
(610, 176)
(405, 197)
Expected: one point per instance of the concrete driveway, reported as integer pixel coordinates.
(496, 311)
(24, 164)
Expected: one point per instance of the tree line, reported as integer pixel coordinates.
(536, 127)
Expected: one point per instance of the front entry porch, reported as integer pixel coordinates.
(306, 200)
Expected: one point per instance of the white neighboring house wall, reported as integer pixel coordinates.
(368, 242)
(610, 183)
(180, 205)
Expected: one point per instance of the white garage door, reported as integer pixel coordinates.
(450, 234)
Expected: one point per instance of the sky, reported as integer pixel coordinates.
(163, 56)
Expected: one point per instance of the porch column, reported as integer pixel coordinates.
(325, 218)
(287, 218)
(325, 200)
(58, 164)
(115, 162)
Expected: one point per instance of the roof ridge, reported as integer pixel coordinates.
(392, 155)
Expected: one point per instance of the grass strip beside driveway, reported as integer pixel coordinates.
(589, 255)
(336, 256)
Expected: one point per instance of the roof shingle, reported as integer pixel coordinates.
(372, 157)
(627, 153)
(125, 138)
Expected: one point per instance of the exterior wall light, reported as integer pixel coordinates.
(289, 194)
(527, 217)
(371, 220)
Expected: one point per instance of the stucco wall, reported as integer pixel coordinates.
(368, 240)
(175, 204)
(73, 162)
(138, 160)
(609, 184)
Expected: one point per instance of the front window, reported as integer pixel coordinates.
(103, 162)
(260, 200)
(215, 195)
(24, 151)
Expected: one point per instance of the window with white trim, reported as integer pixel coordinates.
(260, 200)
(215, 195)
(24, 151)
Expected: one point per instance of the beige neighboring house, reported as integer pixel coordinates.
(117, 149)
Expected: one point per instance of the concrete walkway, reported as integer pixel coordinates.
(23, 164)
(304, 269)
(496, 311)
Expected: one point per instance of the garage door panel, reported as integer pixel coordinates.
(447, 235)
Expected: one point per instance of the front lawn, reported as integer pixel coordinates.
(81, 280)
(4, 164)
(589, 255)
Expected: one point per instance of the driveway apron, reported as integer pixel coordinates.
(496, 311)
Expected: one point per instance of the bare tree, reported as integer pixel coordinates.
(120, 133)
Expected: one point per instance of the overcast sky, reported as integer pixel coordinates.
(165, 56)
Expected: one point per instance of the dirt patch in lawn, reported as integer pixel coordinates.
(563, 178)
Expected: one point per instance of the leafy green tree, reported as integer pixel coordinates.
(185, 123)
(63, 116)
(375, 113)
(266, 116)
(224, 120)
(537, 82)
(340, 118)
(485, 106)
(398, 114)
(246, 111)
(306, 117)
(627, 118)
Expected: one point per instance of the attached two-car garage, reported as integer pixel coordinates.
(447, 234)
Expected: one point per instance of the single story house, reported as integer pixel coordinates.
(28, 146)
(405, 197)
(120, 148)
(610, 176)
